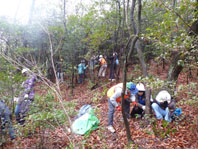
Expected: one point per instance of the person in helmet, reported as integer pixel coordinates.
(26, 96)
(114, 101)
(162, 105)
(103, 66)
(139, 103)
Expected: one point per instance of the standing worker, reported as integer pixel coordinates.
(113, 59)
(81, 71)
(58, 72)
(103, 66)
(114, 95)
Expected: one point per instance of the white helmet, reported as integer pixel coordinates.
(140, 87)
(24, 70)
(163, 96)
(100, 56)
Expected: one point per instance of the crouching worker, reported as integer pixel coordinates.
(6, 115)
(162, 105)
(114, 95)
(139, 103)
(26, 97)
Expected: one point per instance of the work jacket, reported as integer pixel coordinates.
(115, 92)
(81, 68)
(140, 100)
(28, 88)
(102, 61)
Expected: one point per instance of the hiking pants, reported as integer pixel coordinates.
(112, 110)
(21, 110)
(102, 70)
(81, 76)
(112, 72)
(136, 110)
(160, 113)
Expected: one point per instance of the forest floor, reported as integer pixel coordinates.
(182, 133)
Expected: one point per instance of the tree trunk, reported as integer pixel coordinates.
(163, 63)
(72, 80)
(139, 16)
(174, 3)
(117, 30)
(148, 103)
(137, 30)
(139, 48)
(132, 17)
(194, 27)
(124, 85)
(175, 69)
(126, 18)
(128, 133)
(132, 47)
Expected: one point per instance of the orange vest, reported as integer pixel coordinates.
(111, 91)
(103, 61)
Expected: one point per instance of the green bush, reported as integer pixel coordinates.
(45, 112)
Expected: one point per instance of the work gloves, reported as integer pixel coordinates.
(118, 108)
(134, 103)
(143, 107)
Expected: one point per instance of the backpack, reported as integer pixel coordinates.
(103, 61)
(111, 91)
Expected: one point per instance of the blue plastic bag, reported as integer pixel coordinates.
(177, 111)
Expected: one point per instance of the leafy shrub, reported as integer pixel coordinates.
(46, 113)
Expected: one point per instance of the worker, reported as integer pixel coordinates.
(103, 66)
(139, 104)
(114, 100)
(162, 105)
(26, 96)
